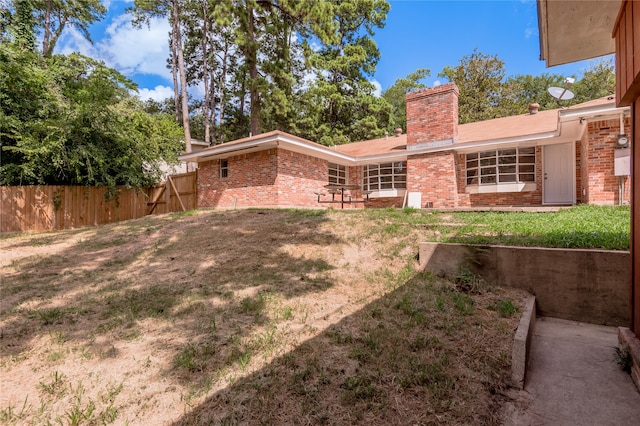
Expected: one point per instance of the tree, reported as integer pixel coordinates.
(19, 28)
(479, 78)
(395, 96)
(143, 11)
(597, 81)
(56, 15)
(70, 120)
(519, 91)
(339, 106)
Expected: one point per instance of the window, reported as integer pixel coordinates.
(385, 176)
(224, 169)
(337, 174)
(514, 165)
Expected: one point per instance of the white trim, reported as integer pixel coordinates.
(388, 193)
(501, 187)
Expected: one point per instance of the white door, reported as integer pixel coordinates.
(558, 174)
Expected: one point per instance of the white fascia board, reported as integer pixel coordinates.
(382, 158)
(315, 150)
(475, 145)
(592, 112)
(219, 150)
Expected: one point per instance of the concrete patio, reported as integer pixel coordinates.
(573, 379)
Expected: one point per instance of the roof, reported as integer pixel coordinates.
(550, 126)
(386, 145)
(575, 30)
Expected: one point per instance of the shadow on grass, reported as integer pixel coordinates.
(422, 354)
(187, 271)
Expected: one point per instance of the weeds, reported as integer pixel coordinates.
(505, 308)
(48, 316)
(624, 359)
(56, 386)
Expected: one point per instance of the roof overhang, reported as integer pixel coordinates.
(570, 128)
(576, 30)
(291, 144)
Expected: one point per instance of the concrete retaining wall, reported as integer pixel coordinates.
(581, 285)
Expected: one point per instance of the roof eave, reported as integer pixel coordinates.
(572, 31)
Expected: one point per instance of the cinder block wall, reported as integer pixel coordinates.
(581, 285)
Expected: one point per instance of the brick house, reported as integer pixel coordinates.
(554, 157)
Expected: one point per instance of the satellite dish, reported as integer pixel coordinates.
(560, 94)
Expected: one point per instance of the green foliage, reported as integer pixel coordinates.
(63, 13)
(339, 106)
(505, 308)
(486, 93)
(479, 78)
(583, 226)
(395, 96)
(70, 120)
(597, 81)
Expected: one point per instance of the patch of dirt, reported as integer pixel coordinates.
(251, 316)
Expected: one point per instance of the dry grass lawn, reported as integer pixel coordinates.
(247, 317)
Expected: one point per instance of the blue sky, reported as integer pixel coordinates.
(418, 34)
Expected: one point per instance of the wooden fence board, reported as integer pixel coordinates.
(45, 208)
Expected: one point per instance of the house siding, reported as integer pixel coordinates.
(299, 177)
(251, 181)
(434, 176)
(600, 184)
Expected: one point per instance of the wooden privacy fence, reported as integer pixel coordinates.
(45, 208)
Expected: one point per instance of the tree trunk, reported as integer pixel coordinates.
(183, 78)
(252, 64)
(47, 29)
(205, 74)
(223, 87)
(174, 72)
(243, 101)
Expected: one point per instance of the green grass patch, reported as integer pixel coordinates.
(582, 226)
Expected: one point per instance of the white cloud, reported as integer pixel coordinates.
(72, 40)
(137, 50)
(159, 93)
(437, 83)
(129, 50)
(377, 88)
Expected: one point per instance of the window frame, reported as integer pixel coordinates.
(506, 166)
(224, 169)
(380, 177)
(338, 174)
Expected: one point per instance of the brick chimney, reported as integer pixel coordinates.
(432, 115)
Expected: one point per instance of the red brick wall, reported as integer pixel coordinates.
(299, 176)
(432, 114)
(578, 172)
(250, 183)
(602, 186)
(269, 178)
(434, 175)
(382, 203)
